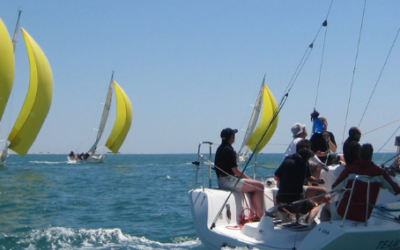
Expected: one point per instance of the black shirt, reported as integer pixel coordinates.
(351, 151)
(225, 159)
(318, 143)
(292, 174)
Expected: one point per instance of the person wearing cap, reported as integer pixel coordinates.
(299, 132)
(227, 171)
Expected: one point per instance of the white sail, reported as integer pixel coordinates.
(104, 116)
(254, 117)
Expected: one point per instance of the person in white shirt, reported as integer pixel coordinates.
(299, 132)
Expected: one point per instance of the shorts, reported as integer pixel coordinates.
(228, 182)
(303, 207)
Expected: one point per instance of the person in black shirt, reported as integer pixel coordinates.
(291, 177)
(323, 143)
(228, 171)
(351, 147)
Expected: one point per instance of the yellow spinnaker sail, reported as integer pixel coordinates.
(7, 67)
(269, 108)
(123, 120)
(37, 102)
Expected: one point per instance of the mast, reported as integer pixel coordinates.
(15, 37)
(104, 116)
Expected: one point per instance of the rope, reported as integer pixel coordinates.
(354, 69)
(390, 137)
(322, 61)
(379, 77)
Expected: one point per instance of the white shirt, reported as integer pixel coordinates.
(292, 150)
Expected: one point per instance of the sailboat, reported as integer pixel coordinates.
(123, 121)
(207, 203)
(219, 216)
(38, 99)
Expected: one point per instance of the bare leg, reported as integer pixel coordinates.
(315, 169)
(317, 191)
(326, 213)
(256, 190)
(312, 214)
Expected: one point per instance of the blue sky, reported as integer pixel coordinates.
(192, 68)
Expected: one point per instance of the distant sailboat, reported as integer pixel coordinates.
(38, 99)
(7, 73)
(268, 108)
(121, 127)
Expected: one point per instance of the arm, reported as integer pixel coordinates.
(332, 146)
(332, 142)
(389, 184)
(238, 172)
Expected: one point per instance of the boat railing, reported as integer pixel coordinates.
(356, 179)
(200, 161)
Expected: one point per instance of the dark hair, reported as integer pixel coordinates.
(366, 152)
(303, 144)
(353, 131)
(303, 150)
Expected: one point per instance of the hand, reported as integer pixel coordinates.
(326, 137)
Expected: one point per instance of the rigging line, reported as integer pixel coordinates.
(329, 10)
(303, 60)
(390, 137)
(379, 77)
(299, 71)
(354, 69)
(291, 82)
(395, 156)
(306, 55)
(322, 62)
(381, 127)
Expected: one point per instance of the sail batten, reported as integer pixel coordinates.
(104, 116)
(123, 120)
(37, 102)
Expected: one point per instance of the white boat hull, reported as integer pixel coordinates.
(3, 156)
(205, 205)
(94, 159)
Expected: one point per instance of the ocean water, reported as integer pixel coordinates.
(127, 202)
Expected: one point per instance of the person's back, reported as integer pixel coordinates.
(292, 174)
(224, 160)
(359, 208)
(351, 147)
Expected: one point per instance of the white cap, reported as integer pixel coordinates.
(297, 129)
